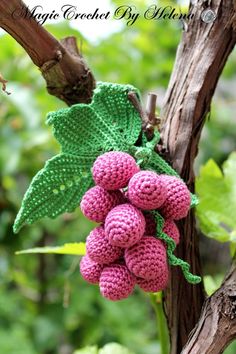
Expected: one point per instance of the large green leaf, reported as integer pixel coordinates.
(217, 193)
(77, 249)
(56, 189)
(80, 130)
(114, 107)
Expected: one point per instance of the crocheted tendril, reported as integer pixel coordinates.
(173, 260)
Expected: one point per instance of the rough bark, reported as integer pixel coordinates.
(66, 74)
(201, 56)
(216, 327)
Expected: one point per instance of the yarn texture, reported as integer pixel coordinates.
(150, 228)
(99, 249)
(90, 270)
(178, 200)
(113, 170)
(171, 229)
(97, 202)
(124, 225)
(116, 282)
(154, 285)
(146, 190)
(147, 259)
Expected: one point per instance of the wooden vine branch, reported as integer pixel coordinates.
(201, 56)
(61, 64)
(217, 324)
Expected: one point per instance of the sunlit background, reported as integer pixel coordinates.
(45, 306)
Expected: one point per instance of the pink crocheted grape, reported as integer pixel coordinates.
(146, 190)
(124, 225)
(99, 249)
(171, 230)
(154, 285)
(97, 202)
(90, 270)
(150, 229)
(116, 282)
(114, 169)
(178, 200)
(147, 259)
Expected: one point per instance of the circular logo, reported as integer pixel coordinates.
(208, 16)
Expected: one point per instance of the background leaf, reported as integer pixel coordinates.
(77, 249)
(217, 193)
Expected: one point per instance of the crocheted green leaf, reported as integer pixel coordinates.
(110, 122)
(111, 102)
(77, 249)
(217, 208)
(79, 130)
(56, 189)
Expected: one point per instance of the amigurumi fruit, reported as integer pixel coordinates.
(146, 190)
(171, 230)
(114, 169)
(154, 285)
(90, 270)
(178, 200)
(116, 282)
(124, 225)
(97, 202)
(150, 228)
(147, 259)
(99, 249)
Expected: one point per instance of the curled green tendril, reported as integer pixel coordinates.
(173, 260)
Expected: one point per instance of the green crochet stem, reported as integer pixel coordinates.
(173, 260)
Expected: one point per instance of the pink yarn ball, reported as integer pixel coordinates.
(97, 202)
(116, 282)
(171, 229)
(147, 259)
(90, 270)
(146, 190)
(124, 225)
(178, 200)
(154, 285)
(150, 229)
(114, 169)
(99, 249)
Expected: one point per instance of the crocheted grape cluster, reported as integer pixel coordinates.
(124, 250)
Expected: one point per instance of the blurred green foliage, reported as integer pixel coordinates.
(217, 192)
(45, 306)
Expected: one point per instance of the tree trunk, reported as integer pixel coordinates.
(201, 56)
(217, 325)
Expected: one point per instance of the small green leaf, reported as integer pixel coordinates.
(56, 189)
(77, 249)
(217, 193)
(112, 104)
